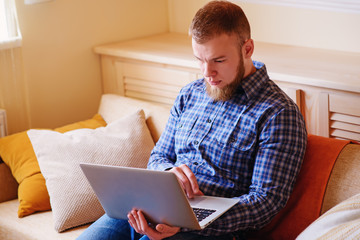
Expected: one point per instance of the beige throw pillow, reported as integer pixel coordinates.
(125, 142)
(340, 222)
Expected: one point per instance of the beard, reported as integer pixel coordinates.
(227, 92)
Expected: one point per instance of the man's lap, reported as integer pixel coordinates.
(107, 228)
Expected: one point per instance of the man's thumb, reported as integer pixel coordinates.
(160, 228)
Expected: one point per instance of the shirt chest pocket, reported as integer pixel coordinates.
(242, 137)
(183, 131)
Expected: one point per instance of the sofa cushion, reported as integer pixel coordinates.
(35, 227)
(125, 142)
(17, 152)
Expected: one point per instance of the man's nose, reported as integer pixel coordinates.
(209, 70)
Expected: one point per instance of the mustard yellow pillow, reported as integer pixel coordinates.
(17, 152)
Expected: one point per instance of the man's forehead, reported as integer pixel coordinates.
(214, 48)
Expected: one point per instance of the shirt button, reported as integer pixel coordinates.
(209, 120)
(180, 126)
(232, 140)
(196, 142)
(196, 163)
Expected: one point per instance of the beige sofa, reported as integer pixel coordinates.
(343, 182)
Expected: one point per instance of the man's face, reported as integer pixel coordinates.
(222, 65)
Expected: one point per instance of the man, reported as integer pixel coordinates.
(233, 134)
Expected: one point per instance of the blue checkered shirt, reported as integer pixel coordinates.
(250, 148)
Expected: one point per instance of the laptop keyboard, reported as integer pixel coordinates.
(202, 213)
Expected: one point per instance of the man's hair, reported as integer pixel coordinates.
(218, 17)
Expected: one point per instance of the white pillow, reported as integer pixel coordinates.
(340, 222)
(114, 106)
(125, 142)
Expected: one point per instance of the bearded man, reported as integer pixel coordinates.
(233, 133)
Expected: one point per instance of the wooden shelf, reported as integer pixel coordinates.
(154, 68)
(315, 67)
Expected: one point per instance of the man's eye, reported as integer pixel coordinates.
(220, 61)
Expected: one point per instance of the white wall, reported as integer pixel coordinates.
(284, 25)
(61, 71)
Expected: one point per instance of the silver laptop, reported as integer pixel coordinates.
(157, 193)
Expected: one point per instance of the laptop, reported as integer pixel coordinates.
(157, 193)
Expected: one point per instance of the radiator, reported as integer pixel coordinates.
(3, 124)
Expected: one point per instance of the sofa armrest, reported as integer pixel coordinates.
(8, 184)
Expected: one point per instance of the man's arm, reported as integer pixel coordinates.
(163, 156)
(281, 149)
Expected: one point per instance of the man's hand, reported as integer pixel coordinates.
(187, 180)
(138, 222)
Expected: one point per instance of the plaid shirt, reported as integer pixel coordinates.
(250, 147)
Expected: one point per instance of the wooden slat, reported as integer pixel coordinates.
(340, 138)
(150, 98)
(345, 126)
(345, 134)
(150, 91)
(119, 74)
(156, 74)
(149, 84)
(345, 118)
(349, 105)
(324, 114)
(111, 76)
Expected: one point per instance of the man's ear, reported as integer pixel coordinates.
(248, 48)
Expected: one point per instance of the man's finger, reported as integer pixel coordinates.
(188, 180)
(184, 180)
(193, 181)
(166, 229)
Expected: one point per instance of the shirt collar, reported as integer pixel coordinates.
(252, 84)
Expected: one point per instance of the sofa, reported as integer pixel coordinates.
(125, 131)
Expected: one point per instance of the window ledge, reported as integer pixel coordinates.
(10, 43)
